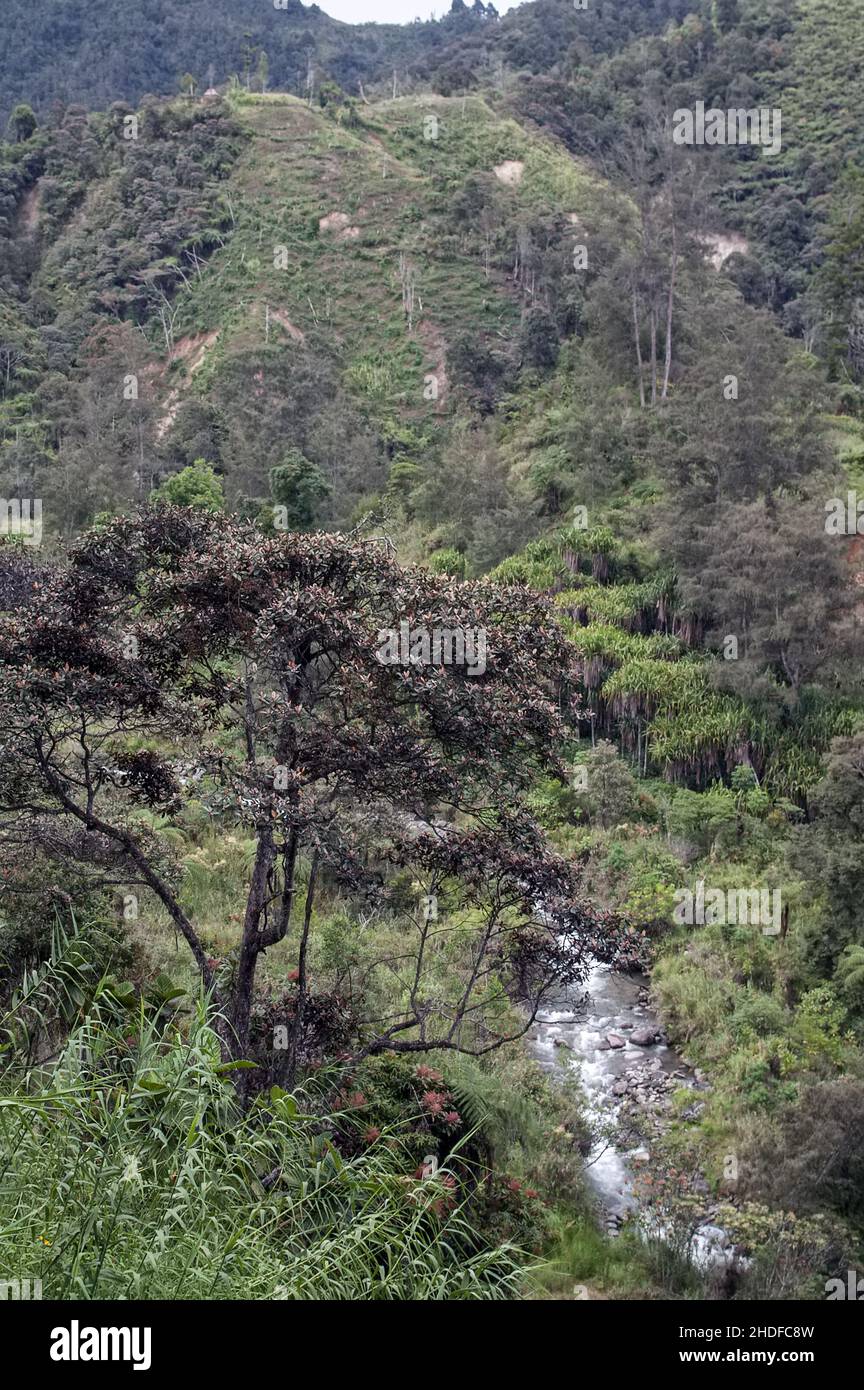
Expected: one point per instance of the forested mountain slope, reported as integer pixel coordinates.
(345, 257)
(349, 301)
(94, 52)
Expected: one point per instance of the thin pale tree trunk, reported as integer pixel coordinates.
(653, 322)
(638, 350)
(667, 370)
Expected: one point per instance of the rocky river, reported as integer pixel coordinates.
(628, 1071)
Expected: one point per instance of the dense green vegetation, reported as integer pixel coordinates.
(449, 291)
(57, 51)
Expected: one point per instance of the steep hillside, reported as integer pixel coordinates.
(432, 311)
(341, 266)
(376, 266)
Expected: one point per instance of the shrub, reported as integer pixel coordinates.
(448, 561)
(759, 1014)
(789, 1257)
(814, 1158)
(195, 486)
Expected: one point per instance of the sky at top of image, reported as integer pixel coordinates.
(396, 11)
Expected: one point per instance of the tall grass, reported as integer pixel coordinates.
(128, 1171)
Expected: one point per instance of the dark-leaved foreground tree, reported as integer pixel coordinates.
(179, 650)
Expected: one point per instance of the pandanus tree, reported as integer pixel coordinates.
(301, 684)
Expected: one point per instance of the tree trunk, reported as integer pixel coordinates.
(241, 1002)
(653, 322)
(667, 371)
(638, 349)
(302, 989)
